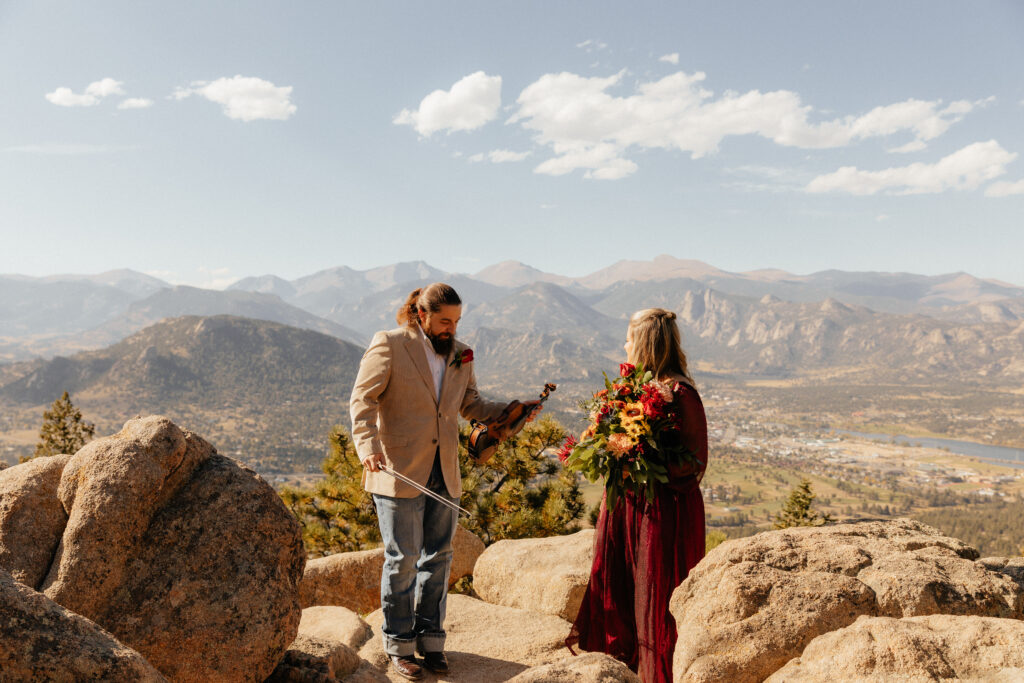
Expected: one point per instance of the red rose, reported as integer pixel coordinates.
(467, 356)
(653, 402)
(625, 369)
(566, 450)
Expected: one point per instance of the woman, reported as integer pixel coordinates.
(644, 549)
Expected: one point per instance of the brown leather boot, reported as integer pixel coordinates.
(407, 667)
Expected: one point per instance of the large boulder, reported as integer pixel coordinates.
(111, 490)
(32, 518)
(216, 576)
(352, 580)
(184, 555)
(590, 667)
(932, 648)
(546, 575)
(485, 642)
(753, 604)
(42, 641)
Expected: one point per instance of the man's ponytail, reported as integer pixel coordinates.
(407, 314)
(428, 299)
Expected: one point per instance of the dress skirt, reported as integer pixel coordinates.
(642, 551)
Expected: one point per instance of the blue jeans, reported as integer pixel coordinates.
(417, 534)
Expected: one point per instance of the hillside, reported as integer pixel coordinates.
(268, 391)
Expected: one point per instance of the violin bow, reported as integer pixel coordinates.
(422, 489)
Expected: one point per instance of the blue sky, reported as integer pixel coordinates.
(203, 142)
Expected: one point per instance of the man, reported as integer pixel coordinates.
(413, 384)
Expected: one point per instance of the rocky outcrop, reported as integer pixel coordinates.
(1010, 566)
(335, 623)
(546, 575)
(932, 648)
(590, 667)
(42, 641)
(316, 660)
(216, 577)
(32, 518)
(349, 580)
(184, 555)
(486, 642)
(352, 580)
(753, 604)
(466, 550)
(111, 490)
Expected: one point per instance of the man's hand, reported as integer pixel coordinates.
(374, 462)
(537, 407)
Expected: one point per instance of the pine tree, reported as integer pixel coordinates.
(714, 539)
(336, 514)
(522, 491)
(797, 509)
(63, 430)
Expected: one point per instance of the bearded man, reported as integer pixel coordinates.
(413, 384)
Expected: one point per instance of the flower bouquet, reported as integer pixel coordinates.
(633, 436)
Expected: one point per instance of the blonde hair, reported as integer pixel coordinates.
(428, 299)
(655, 343)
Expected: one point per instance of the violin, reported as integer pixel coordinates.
(486, 436)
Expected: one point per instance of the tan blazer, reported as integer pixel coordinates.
(395, 411)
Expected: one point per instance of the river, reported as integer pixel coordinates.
(1003, 454)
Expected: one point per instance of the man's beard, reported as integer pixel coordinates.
(442, 343)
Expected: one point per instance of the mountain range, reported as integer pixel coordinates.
(765, 322)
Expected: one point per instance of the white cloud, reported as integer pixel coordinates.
(500, 156)
(912, 146)
(215, 278)
(965, 169)
(202, 276)
(94, 92)
(591, 45)
(245, 98)
(468, 105)
(1004, 189)
(587, 127)
(105, 87)
(135, 103)
(671, 59)
(166, 275)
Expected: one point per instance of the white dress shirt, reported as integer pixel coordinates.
(436, 363)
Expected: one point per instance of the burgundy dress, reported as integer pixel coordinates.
(642, 551)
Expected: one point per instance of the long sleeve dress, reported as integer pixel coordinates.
(642, 551)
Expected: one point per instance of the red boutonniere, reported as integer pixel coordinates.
(465, 357)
